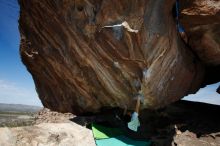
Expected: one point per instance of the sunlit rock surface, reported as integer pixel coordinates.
(83, 58)
(47, 134)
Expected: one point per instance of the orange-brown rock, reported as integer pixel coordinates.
(201, 19)
(205, 41)
(80, 61)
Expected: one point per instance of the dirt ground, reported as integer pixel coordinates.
(181, 124)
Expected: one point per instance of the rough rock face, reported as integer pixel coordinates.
(201, 19)
(205, 40)
(81, 62)
(47, 134)
(48, 116)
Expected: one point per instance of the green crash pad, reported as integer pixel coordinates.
(106, 136)
(121, 141)
(102, 132)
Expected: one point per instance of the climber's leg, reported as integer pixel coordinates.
(134, 123)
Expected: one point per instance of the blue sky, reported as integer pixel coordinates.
(207, 94)
(16, 84)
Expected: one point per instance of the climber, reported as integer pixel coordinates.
(179, 26)
(135, 123)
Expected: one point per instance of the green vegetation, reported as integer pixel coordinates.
(14, 113)
(17, 115)
(16, 119)
(17, 123)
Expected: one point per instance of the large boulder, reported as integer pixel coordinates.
(201, 19)
(87, 54)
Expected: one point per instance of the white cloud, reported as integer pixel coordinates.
(207, 94)
(11, 92)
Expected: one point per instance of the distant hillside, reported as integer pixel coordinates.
(18, 108)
